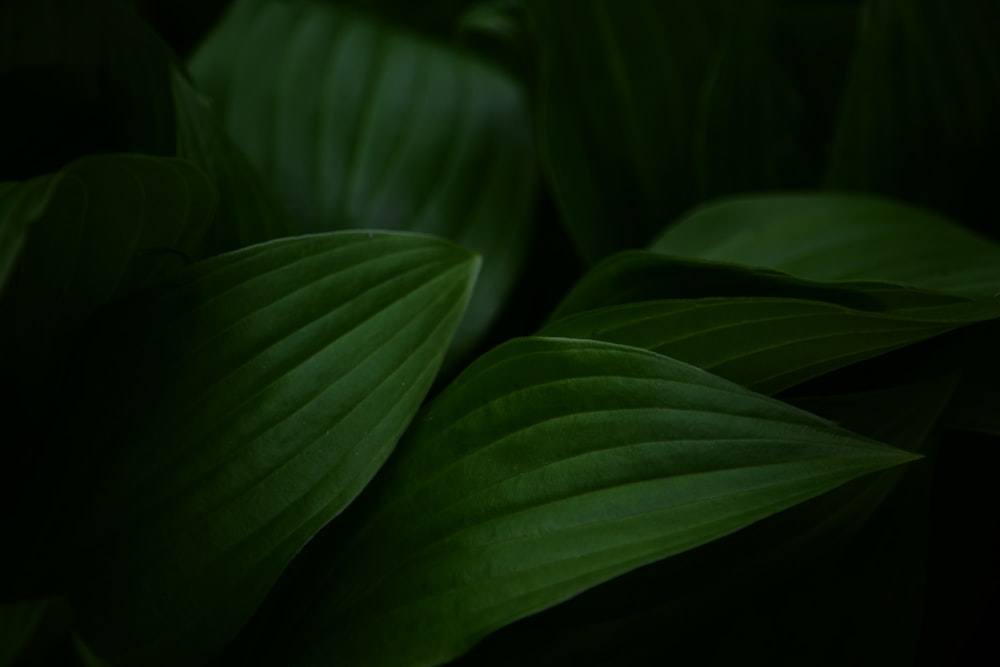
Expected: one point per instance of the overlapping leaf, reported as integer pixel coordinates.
(232, 412)
(740, 586)
(359, 123)
(838, 237)
(63, 70)
(99, 227)
(547, 467)
(765, 330)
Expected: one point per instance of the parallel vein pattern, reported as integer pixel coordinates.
(260, 392)
(360, 124)
(549, 466)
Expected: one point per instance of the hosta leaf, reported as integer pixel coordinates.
(359, 123)
(641, 275)
(766, 344)
(918, 118)
(738, 586)
(547, 467)
(838, 237)
(99, 227)
(234, 411)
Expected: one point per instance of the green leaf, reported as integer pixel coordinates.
(358, 123)
(100, 227)
(739, 586)
(547, 467)
(232, 412)
(839, 237)
(640, 275)
(918, 119)
(765, 344)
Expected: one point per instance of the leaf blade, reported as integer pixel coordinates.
(314, 94)
(264, 390)
(496, 526)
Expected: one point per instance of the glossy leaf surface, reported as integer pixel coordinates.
(547, 467)
(839, 237)
(359, 123)
(234, 411)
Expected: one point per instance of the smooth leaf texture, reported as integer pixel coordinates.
(839, 237)
(918, 118)
(359, 123)
(547, 467)
(641, 275)
(766, 344)
(232, 412)
(100, 227)
(736, 586)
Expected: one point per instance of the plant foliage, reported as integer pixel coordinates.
(370, 332)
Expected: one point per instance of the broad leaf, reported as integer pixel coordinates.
(100, 227)
(766, 344)
(918, 119)
(739, 586)
(838, 237)
(640, 275)
(232, 412)
(547, 467)
(359, 123)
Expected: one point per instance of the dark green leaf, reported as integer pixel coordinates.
(740, 586)
(230, 414)
(359, 123)
(918, 120)
(547, 467)
(639, 275)
(100, 227)
(764, 343)
(839, 237)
